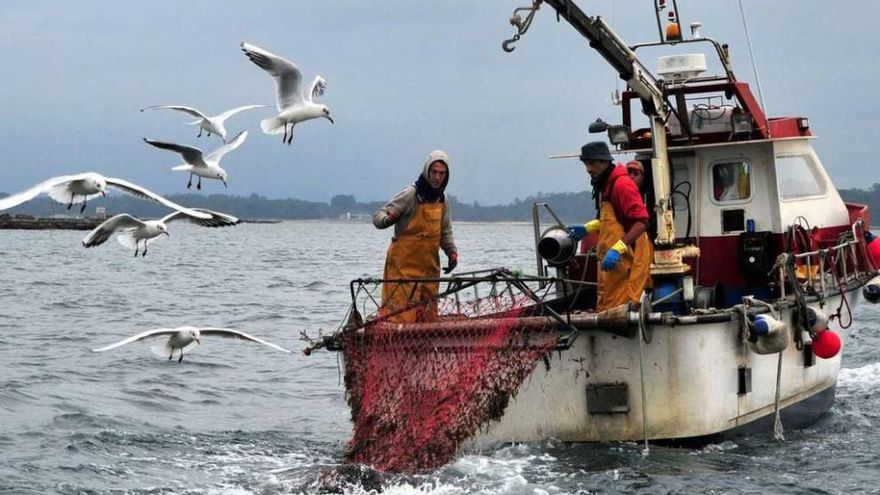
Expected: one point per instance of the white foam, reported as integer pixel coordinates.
(229, 491)
(432, 488)
(859, 380)
(716, 447)
(504, 464)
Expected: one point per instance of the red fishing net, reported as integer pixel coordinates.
(419, 389)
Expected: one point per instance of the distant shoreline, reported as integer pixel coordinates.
(32, 222)
(571, 207)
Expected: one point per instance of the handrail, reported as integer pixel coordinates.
(844, 255)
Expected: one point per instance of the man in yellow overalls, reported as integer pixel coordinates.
(422, 226)
(623, 219)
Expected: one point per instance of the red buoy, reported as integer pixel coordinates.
(874, 251)
(826, 344)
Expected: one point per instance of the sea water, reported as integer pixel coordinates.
(239, 418)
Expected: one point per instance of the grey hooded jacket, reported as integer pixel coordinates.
(404, 204)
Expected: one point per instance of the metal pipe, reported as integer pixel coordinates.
(536, 224)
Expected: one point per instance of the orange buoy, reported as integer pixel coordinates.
(673, 32)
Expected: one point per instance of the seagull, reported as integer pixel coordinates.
(203, 166)
(134, 230)
(210, 124)
(294, 102)
(182, 337)
(78, 188)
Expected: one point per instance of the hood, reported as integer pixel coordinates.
(424, 191)
(617, 171)
(436, 155)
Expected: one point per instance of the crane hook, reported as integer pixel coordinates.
(507, 45)
(521, 25)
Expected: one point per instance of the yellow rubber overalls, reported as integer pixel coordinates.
(414, 254)
(626, 282)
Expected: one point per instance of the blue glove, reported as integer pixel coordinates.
(578, 232)
(869, 237)
(612, 257)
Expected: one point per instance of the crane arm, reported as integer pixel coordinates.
(603, 39)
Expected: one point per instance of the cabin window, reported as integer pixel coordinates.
(797, 177)
(731, 181)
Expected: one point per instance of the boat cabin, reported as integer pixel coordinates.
(745, 187)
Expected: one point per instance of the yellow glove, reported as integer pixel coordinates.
(620, 247)
(592, 226)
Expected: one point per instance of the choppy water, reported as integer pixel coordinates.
(236, 418)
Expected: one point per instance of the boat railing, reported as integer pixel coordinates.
(476, 294)
(720, 50)
(830, 269)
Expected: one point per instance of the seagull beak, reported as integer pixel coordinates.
(224, 183)
(103, 194)
(330, 119)
(199, 341)
(166, 233)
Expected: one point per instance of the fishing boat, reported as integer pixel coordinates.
(758, 263)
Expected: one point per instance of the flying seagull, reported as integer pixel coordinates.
(133, 230)
(181, 337)
(203, 166)
(79, 188)
(213, 124)
(295, 100)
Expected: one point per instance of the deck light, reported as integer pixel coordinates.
(598, 126)
(618, 134)
(803, 123)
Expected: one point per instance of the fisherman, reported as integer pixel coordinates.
(623, 219)
(636, 172)
(422, 226)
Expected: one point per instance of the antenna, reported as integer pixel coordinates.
(752, 56)
(615, 95)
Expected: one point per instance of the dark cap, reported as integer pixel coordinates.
(597, 150)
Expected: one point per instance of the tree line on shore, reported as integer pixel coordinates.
(571, 207)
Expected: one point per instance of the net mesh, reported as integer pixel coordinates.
(419, 389)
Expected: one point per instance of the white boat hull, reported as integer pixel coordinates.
(693, 386)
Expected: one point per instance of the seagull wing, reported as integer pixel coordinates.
(217, 154)
(318, 87)
(288, 78)
(103, 232)
(229, 113)
(216, 219)
(236, 334)
(157, 332)
(190, 110)
(144, 193)
(19, 198)
(191, 155)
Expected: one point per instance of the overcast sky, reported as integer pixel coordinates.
(404, 78)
